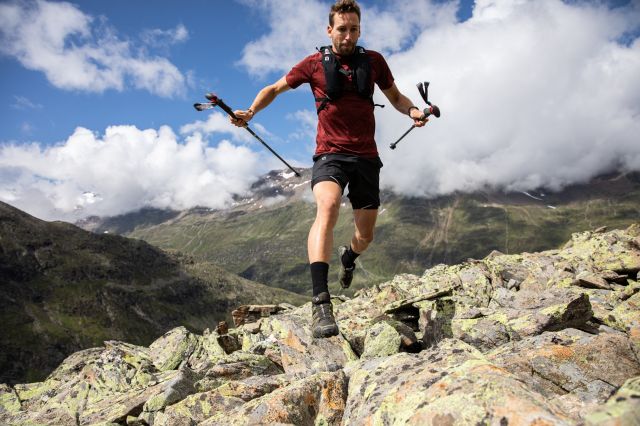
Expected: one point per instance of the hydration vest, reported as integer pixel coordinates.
(335, 76)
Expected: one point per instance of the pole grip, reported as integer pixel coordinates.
(431, 110)
(226, 108)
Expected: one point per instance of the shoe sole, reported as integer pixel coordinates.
(326, 331)
(341, 273)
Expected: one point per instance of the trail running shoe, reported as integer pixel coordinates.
(324, 323)
(345, 274)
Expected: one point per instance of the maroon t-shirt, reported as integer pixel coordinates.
(346, 125)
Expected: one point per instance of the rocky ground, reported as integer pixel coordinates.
(549, 338)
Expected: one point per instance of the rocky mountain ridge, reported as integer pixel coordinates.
(512, 339)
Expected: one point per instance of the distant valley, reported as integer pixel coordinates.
(263, 236)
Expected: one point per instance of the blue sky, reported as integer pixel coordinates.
(96, 111)
(33, 109)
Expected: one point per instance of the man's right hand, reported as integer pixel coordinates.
(243, 117)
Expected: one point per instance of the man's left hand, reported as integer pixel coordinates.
(419, 118)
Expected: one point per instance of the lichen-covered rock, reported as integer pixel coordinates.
(626, 316)
(629, 290)
(615, 250)
(484, 333)
(354, 317)
(381, 340)
(175, 347)
(246, 314)
(74, 363)
(590, 280)
(254, 387)
(9, 402)
(236, 366)
(476, 287)
(505, 268)
(570, 367)
(196, 408)
(301, 354)
(206, 353)
(317, 399)
(623, 408)
(574, 313)
(550, 311)
(176, 389)
(450, 384)
(119, 406)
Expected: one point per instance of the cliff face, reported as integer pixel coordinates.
(534, 338)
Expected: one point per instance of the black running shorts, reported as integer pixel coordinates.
(361, 174)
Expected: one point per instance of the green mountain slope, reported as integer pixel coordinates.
(63, 289)
(264, 236)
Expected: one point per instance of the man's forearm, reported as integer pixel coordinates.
(268, 94)
(403, 104)
(263, 98)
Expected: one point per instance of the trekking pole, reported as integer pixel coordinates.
(429, 110)
(215, 101)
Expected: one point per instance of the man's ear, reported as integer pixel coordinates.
(329, 30)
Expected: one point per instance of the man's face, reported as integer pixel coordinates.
(344, 33)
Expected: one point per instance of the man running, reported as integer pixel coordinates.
(342, 78)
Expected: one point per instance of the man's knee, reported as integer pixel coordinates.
(364, 237)
(327, 204)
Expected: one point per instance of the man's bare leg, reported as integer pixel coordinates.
(319, 245)
(365, 221)
(320, 241)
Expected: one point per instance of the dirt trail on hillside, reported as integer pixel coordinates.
(440, 233)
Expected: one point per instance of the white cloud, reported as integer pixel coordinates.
(307, 121)
(78, 52)
(532, 92)
(396, 27)
(216, 122)
(24, 103)
(160, 38)
(297, 27)
(123, 170)
(26, 128)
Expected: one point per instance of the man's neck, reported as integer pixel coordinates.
(335, 52)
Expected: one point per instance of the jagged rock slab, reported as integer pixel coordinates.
(301, 354)
(623, 408)
(571, 367)
(236, 366)
(171, 349)
(317, 399)
(451, 384)
(246, 314)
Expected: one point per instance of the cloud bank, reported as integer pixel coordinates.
(123, 170)
(532, 93)
(79, 52)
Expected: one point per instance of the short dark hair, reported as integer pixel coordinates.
(344, 6)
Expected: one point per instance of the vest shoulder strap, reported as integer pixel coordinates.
(334, 75)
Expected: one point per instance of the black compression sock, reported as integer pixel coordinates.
(349, 257)
(319, 277)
